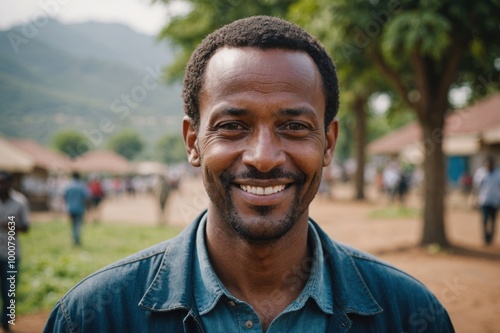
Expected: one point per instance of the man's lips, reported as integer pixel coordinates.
(261, 190)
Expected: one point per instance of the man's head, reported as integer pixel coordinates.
(489, 163)
(75, 175)
(265, 33)
(260, 124)
(5, 183)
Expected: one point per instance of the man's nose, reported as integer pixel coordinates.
(264, 151)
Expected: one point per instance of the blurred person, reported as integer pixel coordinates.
(162, 189)
(404, 182)
(129, 186)
(465, 182)
(487, 187)
(391, 179)
(76, 196)
(117, 186)
(14, 218)
(97, 194)
(379, 180)
(261, 98)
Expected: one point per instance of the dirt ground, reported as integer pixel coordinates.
(466, 279)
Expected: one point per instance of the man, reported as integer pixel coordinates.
(14, 219)
(97, 194)
(76, 196)
(487, 183)
(260, 97)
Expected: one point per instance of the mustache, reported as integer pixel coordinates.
(273, 174)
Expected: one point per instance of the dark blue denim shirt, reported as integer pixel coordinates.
(220, 311)
(154, 291)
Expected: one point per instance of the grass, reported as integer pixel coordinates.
(51, 265)
(395, 212)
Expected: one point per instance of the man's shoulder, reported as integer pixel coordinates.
(372, 266)
(136, 283)
(401, 300)
(381, 279)
(18, 197)
(138, 268)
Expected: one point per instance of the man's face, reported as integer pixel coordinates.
(261, 141)
(490, 166)
(4, 185)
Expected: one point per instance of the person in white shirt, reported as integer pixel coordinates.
(487, 184)
(14, 218)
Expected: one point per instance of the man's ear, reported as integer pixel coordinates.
(331, 134)
(190, 141)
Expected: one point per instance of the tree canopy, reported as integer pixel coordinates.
(422, 48)
(186, 32)
(170, 149)
(127, 143)
(70, 142)
(417, 49)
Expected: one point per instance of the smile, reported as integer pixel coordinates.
(263, 190)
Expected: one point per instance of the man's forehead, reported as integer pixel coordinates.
(229, 63)
(229, 55)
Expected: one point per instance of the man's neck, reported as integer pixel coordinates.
(267, 276)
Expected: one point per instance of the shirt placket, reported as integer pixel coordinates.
(248, 321)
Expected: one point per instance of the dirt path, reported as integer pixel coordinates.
(466, 280)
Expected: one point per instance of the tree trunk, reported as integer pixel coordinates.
(360, 140)
(434, 178)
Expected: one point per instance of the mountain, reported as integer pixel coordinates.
(81, 76)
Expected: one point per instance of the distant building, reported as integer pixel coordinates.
(470, 134)
(46, 162)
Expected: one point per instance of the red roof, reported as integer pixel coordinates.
(13, 159)
(392, 142)
(481, 116)
(102, 162)
(43, 157)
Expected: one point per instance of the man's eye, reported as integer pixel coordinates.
(231, 127)
(295, 127)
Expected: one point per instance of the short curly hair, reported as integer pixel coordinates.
(263, 32)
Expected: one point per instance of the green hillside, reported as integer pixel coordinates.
(73, 76)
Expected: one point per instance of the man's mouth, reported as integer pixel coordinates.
(258, 190)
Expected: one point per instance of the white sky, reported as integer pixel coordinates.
(140, 15)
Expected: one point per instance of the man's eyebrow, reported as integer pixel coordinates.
(286, 112)
(296, 112)
(236, 112)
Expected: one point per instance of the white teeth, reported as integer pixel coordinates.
(262, 190)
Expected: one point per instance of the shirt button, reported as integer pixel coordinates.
(249, 324)
(232, 303)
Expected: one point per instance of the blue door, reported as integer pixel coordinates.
(457, 166)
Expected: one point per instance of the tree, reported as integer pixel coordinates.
(205, 17)
(422, 48)
(127, 143)
(357, 78)
(186, 32)
(170, 149)
(71, 143)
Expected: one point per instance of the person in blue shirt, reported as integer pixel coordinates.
(487, 181)
(76, 196)
(260, 97)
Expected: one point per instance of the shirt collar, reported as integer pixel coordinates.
(173, 285)
(209, 289)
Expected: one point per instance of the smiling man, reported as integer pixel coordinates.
(260, 97)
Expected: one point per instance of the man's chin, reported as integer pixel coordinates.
(263, 225)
